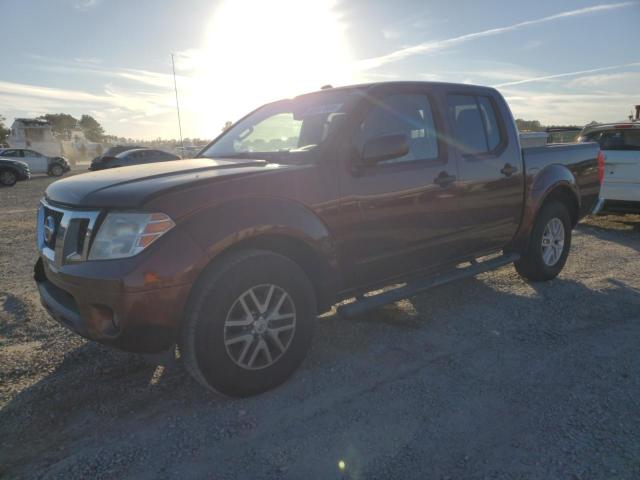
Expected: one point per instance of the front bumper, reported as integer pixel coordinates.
(144, 322)
(135, 304)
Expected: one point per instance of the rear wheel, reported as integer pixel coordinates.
(249, 323)
(56, 170)
(549, 244)
(8, 178)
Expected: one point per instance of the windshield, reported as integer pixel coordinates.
(286, 129)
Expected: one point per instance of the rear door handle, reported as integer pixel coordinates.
(508, 170)
(444, 179)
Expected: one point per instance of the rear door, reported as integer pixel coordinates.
(404, 210)
(37, 162)
(490, 167)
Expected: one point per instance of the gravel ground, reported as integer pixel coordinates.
(490, 377)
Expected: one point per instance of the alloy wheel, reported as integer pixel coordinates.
(259, 327)
(552, 241)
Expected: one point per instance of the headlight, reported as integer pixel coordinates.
(126, 234)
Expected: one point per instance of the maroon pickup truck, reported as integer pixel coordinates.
(304, 203)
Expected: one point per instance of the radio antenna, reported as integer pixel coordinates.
(175, 86)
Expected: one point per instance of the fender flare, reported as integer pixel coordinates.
(222, 227)
(551, 180)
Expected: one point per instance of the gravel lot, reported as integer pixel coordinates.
(487, 378)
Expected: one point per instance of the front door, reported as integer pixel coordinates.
(404, 209)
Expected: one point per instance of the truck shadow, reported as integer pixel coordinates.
(96, 393)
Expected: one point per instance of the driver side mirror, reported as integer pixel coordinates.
(385, 147)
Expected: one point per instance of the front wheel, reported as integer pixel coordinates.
(249, 323)
(8, 178)
(549, 244)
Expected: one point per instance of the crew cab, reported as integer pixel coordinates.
(302, 204)
(55, 166)
(620, 144)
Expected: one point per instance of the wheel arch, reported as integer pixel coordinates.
(275, 225)
(553, 182)
(567, 196)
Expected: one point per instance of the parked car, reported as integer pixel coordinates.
(303, 203)
(111, 152)
(620, 143)
(38, 163)
(12, 171)
(135, 156)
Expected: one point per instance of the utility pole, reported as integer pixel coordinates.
(175, 86)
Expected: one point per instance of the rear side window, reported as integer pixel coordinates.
(620, 139)
(475, 122)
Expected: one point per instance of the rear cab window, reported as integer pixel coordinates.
(615, 139)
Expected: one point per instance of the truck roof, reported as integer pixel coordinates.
(611, 126)
(404, 83)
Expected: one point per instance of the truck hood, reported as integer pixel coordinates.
(130, 187)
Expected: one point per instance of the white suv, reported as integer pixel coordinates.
(620, 142)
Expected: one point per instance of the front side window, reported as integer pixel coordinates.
(408, 114)
(284, 130)
(275, 133)
(475, 124)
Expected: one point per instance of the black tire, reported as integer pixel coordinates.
(532, 265)
(8, 178)
(56, 170)
(202, 342)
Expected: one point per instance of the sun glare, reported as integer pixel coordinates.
(257, 51)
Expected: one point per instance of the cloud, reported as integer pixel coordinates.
(595, 81)
(146, 77)
(428, 47)
(567, 74)
(568, 108)
(86, 4)
(33, 97)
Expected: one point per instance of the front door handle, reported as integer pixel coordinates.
(444, 179)
(508, 170)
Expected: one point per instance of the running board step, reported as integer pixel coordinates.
(422, 285)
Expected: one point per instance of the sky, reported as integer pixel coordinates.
(560, 62)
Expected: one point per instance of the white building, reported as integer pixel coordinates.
(34, 134)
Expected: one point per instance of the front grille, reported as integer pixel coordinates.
(57, 218)
(64, 235)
